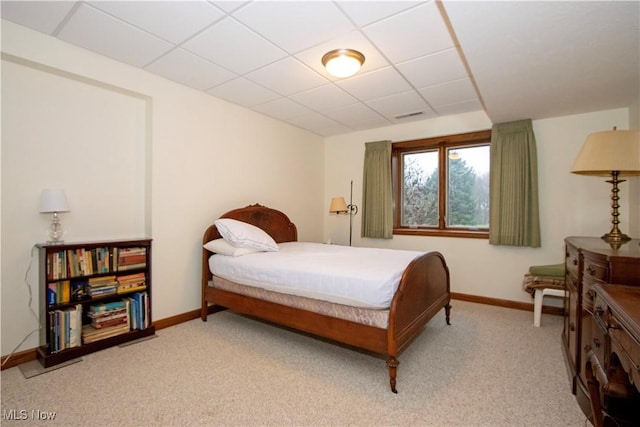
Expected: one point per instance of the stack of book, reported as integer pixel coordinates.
(131, 258)
(131, 283)
(107, 320)
(65, 328)
(102, 285)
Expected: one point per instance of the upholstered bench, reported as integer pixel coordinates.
(541, 281)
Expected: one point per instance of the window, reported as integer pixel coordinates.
(441, 185)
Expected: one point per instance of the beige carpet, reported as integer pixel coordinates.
(491, 367)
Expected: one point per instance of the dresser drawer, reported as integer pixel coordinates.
(572, 261)
(595, 271)
(627, 349)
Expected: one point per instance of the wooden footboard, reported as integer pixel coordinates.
(422, 292)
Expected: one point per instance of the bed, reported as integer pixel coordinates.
(422, 290)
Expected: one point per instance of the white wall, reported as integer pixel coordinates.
(202, 156)
(569, 204)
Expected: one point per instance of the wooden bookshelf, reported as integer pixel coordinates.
(93, 295)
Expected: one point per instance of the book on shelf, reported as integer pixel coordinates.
(104, 318)
(59, 292)
(78, 262)
(130, 258)
(65, 328)
(106, 306)
(91, 334)
(103, 285)
(139, 310)
(131, 282)
(105, 323)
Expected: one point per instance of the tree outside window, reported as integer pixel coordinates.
(442, 185)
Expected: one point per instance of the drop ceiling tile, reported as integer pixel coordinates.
(95, 30)
(371, 124)
(399, 104)
(351, 115)
(234, 46)
(459, 107)
(319, 124)
(43, 16)
(413, 117)
(286, 77)
(352, 40)
(243, 92)
(366, 12)
(376, 84)
(434, 69)
(295, 25)
(324, 98)
(411, 34)
(282, 109)
(335, 130)
(229, 5)
(189, 69)
(449, 93)
(174, 21)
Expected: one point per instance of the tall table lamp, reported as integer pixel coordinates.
(615, 154)
(53, 200)
(339, 206)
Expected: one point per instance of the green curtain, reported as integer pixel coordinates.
(514, 217)
(377, 196)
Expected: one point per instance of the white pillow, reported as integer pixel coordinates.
(222, 247)
(245, 235)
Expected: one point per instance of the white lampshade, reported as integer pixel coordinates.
(343, 62)
(612, 150)
(53, 200)
(338, 205)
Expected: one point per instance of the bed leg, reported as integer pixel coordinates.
(447, 312)
(392, 364)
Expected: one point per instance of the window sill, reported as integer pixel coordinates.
(468, 234)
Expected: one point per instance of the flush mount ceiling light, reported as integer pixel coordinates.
(343, 62)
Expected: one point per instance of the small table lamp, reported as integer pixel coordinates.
(53, 200)
(614, 153)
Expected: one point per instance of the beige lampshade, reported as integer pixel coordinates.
(613, 150)
(338, 205)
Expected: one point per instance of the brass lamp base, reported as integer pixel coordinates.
(615, 237)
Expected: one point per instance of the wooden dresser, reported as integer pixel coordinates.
(590, 261)
(613, 365)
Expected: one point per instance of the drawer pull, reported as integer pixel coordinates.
(591, 294)
(596, 343)
(591, 270)
(572, 326)
(613, 324)
(575, 261)
(599, 310)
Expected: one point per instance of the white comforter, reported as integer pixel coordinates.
(360, 277)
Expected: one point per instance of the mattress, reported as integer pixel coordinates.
(357, 277)
(364, 316)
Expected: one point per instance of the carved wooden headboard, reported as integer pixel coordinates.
(274, 222)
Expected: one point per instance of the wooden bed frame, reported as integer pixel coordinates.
(422, 292)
